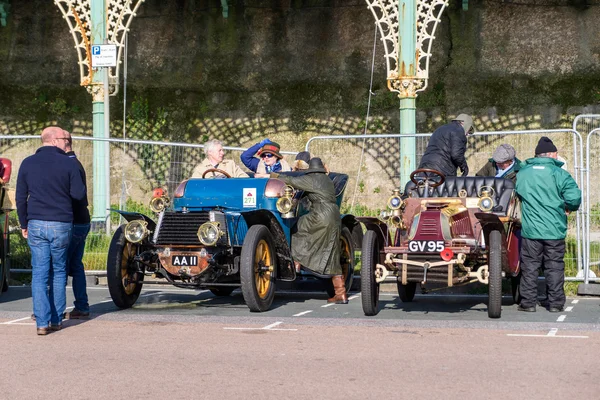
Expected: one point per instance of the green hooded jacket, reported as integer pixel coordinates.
(546, 192)
(489, 169)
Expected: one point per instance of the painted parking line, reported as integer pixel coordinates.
(569, 309)
(270, 327)
(561, 318)
(551, 334)
(302, 313)
(575, 302)
(354, 297)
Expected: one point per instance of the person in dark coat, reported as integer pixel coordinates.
(503, 164)
(316, 243)
(447, 146)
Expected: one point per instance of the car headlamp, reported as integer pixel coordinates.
(485, 204)
(209, 233)
(136, 231)
(284, 205)
(395, 202)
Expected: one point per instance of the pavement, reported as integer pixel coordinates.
(189, 344)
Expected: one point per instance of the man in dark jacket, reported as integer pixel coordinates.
(47, 184)
(81, 228)
(316, 243)
(547, 193)
(447, 146)
(503, 164)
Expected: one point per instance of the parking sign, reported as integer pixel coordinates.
(104, 55)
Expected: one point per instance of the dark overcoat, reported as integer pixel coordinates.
(316, 243)
(446, 150)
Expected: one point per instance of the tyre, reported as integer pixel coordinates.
(407, 292)
(515, 286)
(122, 272)
(346, 261)
(368, 286)
(221, 291)
(257, 269)
(495, 275)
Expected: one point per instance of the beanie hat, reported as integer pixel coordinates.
(545, 145)
(504, 152)
(304, 156)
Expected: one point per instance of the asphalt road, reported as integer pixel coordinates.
(186, 344)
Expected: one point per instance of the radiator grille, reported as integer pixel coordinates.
(180, 228)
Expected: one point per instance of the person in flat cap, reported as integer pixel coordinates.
(503, 164)
(447, 146)
(547, 193)
(269, 159)
(301, 162)
(316, 240)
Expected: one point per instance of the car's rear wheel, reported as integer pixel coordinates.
(346, 261)
(124, 280)
(221, 291)
(495, 275)
(257, 269)
(368, 286)
(407, 292)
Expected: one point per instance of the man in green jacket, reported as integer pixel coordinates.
(503, 164)
(547, 193)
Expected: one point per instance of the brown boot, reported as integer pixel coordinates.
(340, 290)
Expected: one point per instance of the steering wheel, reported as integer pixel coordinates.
(216, 170)
(428, 174)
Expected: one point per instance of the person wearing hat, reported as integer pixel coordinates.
(447, 146)
(547, 193)
(301, 162)
(316, 241)
(503, 164)
(269, 158)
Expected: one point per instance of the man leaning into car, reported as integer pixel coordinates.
(214, 161)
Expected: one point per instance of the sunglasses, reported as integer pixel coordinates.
(268, 155)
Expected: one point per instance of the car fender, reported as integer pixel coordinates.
(375, 225)
(349, 221)
(285, 269)
(491, 222)
(132, 216)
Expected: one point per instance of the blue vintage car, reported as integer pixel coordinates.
(219, 234)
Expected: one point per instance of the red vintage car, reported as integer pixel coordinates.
(448, 230)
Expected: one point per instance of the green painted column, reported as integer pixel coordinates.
(101, 173)
(407, 69)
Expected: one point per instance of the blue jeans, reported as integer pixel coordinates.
(75, 266)
(49, 243)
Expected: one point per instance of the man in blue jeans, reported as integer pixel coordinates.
(81, 228)
(47, 184)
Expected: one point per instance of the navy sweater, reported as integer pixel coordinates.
(47, 184)
(81, 214)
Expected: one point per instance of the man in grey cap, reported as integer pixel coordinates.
(503, 164)
(447, 146)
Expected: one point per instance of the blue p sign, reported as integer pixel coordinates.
(95, 50)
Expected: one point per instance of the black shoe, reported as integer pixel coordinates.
(557, 309)
(526, 309)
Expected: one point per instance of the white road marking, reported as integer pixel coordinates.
(575, 302)
(354, 297)
(548, 336)
(553, 332)
(561, 318)
(15, 320)
(328, 305)
(264, 328)
(302, 313)
(568, 309)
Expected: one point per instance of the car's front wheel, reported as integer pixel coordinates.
(257, 269)
(124, 280)
(495, 275)
(368, 285)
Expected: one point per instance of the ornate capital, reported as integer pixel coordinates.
(407, 87)
(97, 91)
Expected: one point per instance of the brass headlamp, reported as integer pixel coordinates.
(209, 233)
(159, 200)
(285, 204)
(395, 201)
(486, 202)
